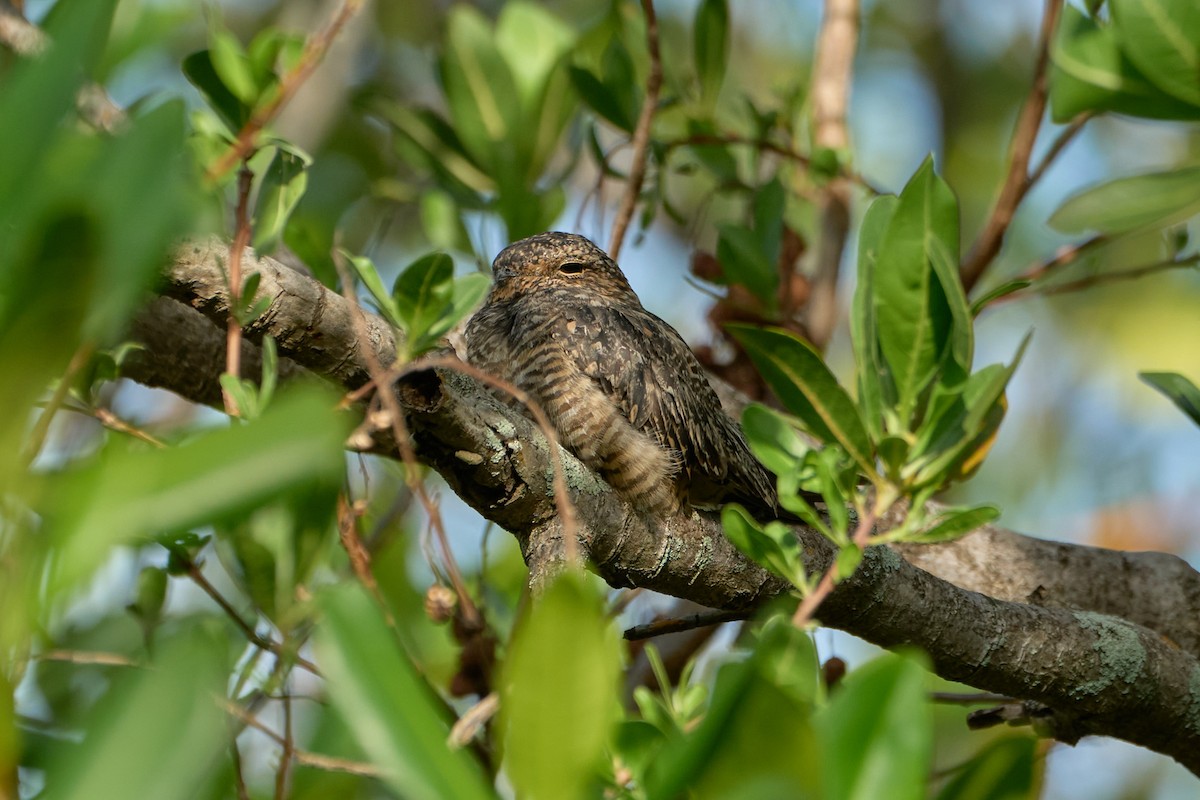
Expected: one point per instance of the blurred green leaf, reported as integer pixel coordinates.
(992, 295)
(848, 559)
(740, 252)
(365, 269)
(710, 47)
(1126, 204)
(36, 93)
(773, 547)
(773, 439)
(1178, 389)
(876, 734)
(757, 738)
(1005, 769)
(283, 184)
(875, 389)
(442, 222)
(600, 98)
(480, 89)
(531, 41)
(1162, 37)
(231, 65)
(131, 493)
(807, 388)
(914, 316)
(1091, 72)
(394, 715)
(156, 733)
(953, 523)
(199, 69)
(558, 703)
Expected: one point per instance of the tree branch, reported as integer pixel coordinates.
(1022, 617)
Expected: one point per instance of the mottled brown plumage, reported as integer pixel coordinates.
(621, 387)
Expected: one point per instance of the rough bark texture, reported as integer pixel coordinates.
(1107, 640)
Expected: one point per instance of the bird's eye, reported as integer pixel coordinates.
(570, 267)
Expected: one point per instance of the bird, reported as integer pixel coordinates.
(622, 389)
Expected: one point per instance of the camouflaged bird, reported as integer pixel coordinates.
(622, 389)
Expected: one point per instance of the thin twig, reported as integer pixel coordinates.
(862, 539)
(969, 698)
(1065, 256)
(705, 619)
(832, 70)
(87, 657)
(1121, 275)
(239, 779)
(1064, 138)
(284, 771)
(253, 636)
(1017, 182)
(473, 719)
(360, 557)
(412, 471)
(304, 757)
(314, 51)
(233, 325)
(114, 423)
(641, 135)
(41, 428)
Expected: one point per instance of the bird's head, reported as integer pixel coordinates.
(562, 264)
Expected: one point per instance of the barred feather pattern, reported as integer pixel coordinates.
(620, 386)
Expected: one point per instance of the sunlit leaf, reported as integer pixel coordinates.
(773, 547)
(874, 381)
(914, 316)
(231, 65)
(1005, 769)
(773, 439)
(1091, 72)
(1160, 37)
(283, 184)
(953, 523)
(807, 388)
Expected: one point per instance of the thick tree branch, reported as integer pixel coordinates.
(1008, 614)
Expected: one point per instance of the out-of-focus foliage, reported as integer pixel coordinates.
(159, 585)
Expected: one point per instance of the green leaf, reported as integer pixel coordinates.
(1003, 290)
(740, 252)
(848, 559)
(876, 733)
(915, 316)
(480, 90)
(1091, 72)
(600, 98)
(1162, 37)
(243, 393)
(757, 738)
(397, 719)
(954, 523)
(1005, 769)
(559, 703)
(156, 733)
(773, 439)
(231, 65)
(131, 494)
(1127, 204)
(532, 41)
(422, 294)
(364, 268)
(774, 547)
(1178, 389)
(442, 222)
(874, 382)
(283, 185)
(710, 46)
(796, 373)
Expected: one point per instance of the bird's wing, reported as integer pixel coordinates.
(655, 381)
